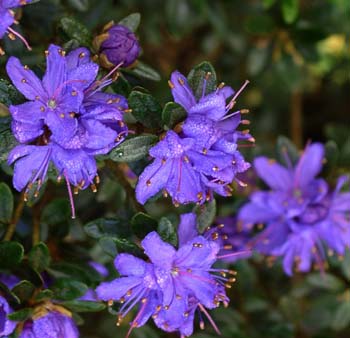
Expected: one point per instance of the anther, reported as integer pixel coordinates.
(75, 190)
(227, 285)
(72, 114)
(244, 111)
(181, 81)
(81, 55)
(93, 188)
(74, 93)
(207, 75)
(110, 302)
(61, 115)
(228, 247)
(245, 131)
(23, 80)
(42, 108)
(171, 85)
(204, 151)
(214, 236)
(148, 183)
(127, 110)
(245, 122)
(47, 53)
(25, 67)
(221, 85)
(215, 168)
(97, 179)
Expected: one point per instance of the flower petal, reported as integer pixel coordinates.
(187, 229)
(154, 178)
(117, 288)
(213, 106)
(129, 265)
(181, 91)
(56, 71)
(25, 80)
(76, 164)
(30, 161)
(6, 21)
(309, 165)
(273, 174)
(153, 245)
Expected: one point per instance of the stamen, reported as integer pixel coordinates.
(20, 37)
(70, 194)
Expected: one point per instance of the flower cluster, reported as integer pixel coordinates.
(7, 18)
(175, 283)
(68, 120)
(300, 211)
(203, 157)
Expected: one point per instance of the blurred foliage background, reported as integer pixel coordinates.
(296, 54)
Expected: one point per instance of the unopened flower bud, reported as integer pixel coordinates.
(118, 44)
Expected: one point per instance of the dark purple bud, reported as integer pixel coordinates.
(118, 45)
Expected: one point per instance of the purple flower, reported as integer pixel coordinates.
(52, 324)
(203, 158)
(7, 19)
(117, 45)
(300, 212)
(6, 326)
(175, 284)
(137, 284)
(68, 120)
(234, 241)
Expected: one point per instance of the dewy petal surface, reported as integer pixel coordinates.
(181, 91)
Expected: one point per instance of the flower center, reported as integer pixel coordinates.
(52, 103)
(313, 213)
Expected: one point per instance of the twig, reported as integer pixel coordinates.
(119, 174)
(16, 216)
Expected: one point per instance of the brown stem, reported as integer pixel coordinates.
(16, 216)
(119, 174)
(296, 117)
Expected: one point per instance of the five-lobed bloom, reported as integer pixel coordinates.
(175, 283)
(68, 120)
(204, 157)
(300, 211)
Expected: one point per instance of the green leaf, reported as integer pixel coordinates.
(198, 75)
(205, 215)
(173, 114)
(8, 93)
(260, 25)
(109, 227)
(43, 295)
(76, 30)
(68, 289)
(11, 254)
(21, 315)
(167, 231)
(6, 203)
(145, 109)
(325, 281)
(341, 316)
(115, 245)
(80, 5)
(84, 306)
(39, 257)
(142, 224)
(331, 153)
(290, 9)
(132, 21)
(56, 212)
(268, 3)
(24, 290)
(133, 149)
(287, 152)
(7, 140)
(144, 71)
